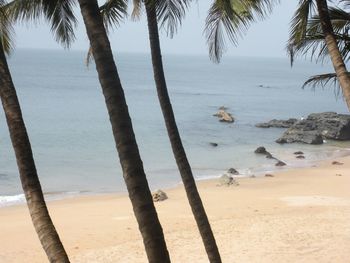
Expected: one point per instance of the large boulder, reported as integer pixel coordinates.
(294, 135)
(224, 116)
(318, 126)
(277, 123)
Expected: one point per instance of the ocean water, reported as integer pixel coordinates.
(71, 137)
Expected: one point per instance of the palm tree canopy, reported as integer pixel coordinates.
(232, 19)
(6, 29)
(59, 14)
(307, 38)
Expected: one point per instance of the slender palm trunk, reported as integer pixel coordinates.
(333, 50)
(175, 139)
(129, 156)
(26, 166)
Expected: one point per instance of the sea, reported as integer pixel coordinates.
(74, 150)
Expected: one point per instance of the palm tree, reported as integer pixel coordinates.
(170, 13)
(169, 117)
(129, 156)
(322, 34)
(29, 178)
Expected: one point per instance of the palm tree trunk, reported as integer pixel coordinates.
(175, 139)
(29, 178)
(333, 50)
(129, 156)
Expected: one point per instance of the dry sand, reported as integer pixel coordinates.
(299, 215)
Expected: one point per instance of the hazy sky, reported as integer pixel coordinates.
(265, 38)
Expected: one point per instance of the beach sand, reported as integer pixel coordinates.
(300, 215)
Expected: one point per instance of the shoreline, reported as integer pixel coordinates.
(338, 152)
(297, 215)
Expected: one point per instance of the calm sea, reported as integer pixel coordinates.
(71, 136)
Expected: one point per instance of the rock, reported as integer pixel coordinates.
(261, 150)
(337, 163)
(252, 176)
(227, 180)
(159, 195)
(223, 108)
(270, 156)
(224, 116)
(277, 123)
(269, 175)
(338, 175)
(214, 144)
(298, 152)
(294, 135)
(300, 157)
(280, 163)
(317, 127)
(232, 171)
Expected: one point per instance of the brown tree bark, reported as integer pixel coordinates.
(175, 139)
(126, 145)
(333, 50)
(43, 225)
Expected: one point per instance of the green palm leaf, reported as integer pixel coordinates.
(6, 29)
(231, 19)
(59, 13)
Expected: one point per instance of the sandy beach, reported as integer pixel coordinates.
(300, 215)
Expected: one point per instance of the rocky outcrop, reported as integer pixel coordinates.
(224, 116)
(294, 135)
(261, 150)
(277, 123)
(214, 144)
(159, 195)
(317, 127)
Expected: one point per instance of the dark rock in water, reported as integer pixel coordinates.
(232, 171)
(261, 150)
(223, 108)
(337, 163)
(294, 135)
(298, 152)
(224, 116)
(280, 163)
(277, 123)
(318, 126)
(269, 175)
(214, 144)
(300, 157)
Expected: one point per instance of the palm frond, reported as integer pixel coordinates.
(6, 29)
(113, 12)
(298, 26)
(137, 10)
(59, 13)
(170, 13)
(312, 42)
(231, 19)
(324, 80)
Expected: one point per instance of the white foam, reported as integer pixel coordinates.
(8, 200)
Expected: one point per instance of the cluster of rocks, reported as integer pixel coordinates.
(223, 115)
(314, 129)
(262, 150)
